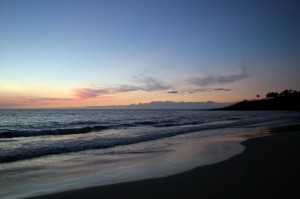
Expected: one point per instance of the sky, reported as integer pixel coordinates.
(77, 53)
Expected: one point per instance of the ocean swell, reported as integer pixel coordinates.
(53, 147)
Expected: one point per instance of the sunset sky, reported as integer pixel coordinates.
(76, 53)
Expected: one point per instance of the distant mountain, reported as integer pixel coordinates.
(166, 105)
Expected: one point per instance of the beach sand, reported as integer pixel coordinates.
(268, 168)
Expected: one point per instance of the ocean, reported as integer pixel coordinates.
(46, 151)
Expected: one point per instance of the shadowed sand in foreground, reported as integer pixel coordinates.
(268, 168)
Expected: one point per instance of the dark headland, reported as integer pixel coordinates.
(286, 100)
(268, 168)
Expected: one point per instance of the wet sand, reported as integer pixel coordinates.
(268, 168)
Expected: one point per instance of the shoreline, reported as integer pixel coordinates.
(267, 168)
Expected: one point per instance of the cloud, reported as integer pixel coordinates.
(20, 102)
(219, 79)
(223, 89)
(125, 88)
(143, 83)
(150, 84)
(209, 90)
(84, 93)
(43, 99)
(173, 92)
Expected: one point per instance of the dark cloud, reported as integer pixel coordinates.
(173, 92)
(209, 90)
(223, 89)
(221, 79)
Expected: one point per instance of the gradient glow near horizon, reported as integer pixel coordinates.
(77, 53)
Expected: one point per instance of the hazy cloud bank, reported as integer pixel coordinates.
(146, 83)
(139, 83)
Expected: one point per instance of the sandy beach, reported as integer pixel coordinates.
(268, 168)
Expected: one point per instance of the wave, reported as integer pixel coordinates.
(7, 133)
(12, 133)
(54, 147)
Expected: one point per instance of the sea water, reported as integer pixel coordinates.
(46, 151)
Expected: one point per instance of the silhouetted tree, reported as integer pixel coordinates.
(289, 93)
(285, 93)
(272, 95)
